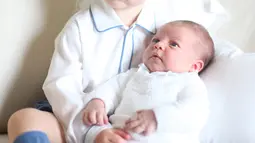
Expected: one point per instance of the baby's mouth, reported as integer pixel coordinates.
(156, 56)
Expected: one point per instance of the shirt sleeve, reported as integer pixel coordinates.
(64, 84)
(93, 131)
(188, 114)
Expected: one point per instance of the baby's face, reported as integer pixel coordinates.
(123, 4)
(171, 49)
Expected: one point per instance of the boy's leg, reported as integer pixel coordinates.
(30, 119)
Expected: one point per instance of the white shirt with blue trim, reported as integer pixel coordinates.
(93, 47)
(179, 101)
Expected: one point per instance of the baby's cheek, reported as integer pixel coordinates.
(147, 40)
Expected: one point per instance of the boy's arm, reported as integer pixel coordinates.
(106, 134)
(64, 84)
(94, 131)
(188, 114)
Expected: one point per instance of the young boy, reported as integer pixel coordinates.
(163, 100)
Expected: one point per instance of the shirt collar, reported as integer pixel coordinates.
(104, 17)
(147, 18)
(142, 67)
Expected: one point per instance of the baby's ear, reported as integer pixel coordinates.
(197, 66)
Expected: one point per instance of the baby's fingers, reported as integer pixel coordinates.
(86, 119)
(106, 119)
(130, 125)
(92, 117)
(100, 118)
(149, 130)
(139, 129)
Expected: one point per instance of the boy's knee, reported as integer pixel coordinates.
(24, 119)
(21, 114)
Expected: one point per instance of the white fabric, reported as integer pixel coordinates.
(88, 52)
(179, 101)
(231, 89)
(225, 49)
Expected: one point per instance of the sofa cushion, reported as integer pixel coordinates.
(3, 139)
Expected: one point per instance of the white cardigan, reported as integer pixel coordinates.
(179, 101)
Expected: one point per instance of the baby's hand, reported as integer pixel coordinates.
(94, 113)
(145, 122)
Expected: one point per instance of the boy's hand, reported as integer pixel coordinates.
(144, 122)
(112, 136)
(94, 113)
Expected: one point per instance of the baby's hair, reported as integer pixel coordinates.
(205, 43)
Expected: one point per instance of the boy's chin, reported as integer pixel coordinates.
(116, 4)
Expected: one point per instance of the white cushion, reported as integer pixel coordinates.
(225, 49)
(231, 85)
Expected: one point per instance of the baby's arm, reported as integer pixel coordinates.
(185, 115)
(102, 101)
(110, 94)
(94, 113)
(188, 114)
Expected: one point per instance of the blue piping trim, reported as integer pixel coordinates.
(123, 45)
(87, 133)
(122, 52)
(146, 29)
(132, 54)
(94, 23)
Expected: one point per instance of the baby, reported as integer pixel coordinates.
(164, 100)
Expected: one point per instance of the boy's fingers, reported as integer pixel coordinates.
(92, 117)
(117, 139)
(122, 134)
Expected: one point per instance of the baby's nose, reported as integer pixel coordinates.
(159, 46)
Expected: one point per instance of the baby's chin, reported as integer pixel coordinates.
(154, 67)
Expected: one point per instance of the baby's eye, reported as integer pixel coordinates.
(173, 45)
(155, 40)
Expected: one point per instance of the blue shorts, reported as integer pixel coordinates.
(44, 106)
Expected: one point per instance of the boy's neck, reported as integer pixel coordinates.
(129, 15)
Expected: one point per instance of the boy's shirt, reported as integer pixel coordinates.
(179, 101)
(93, 46)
